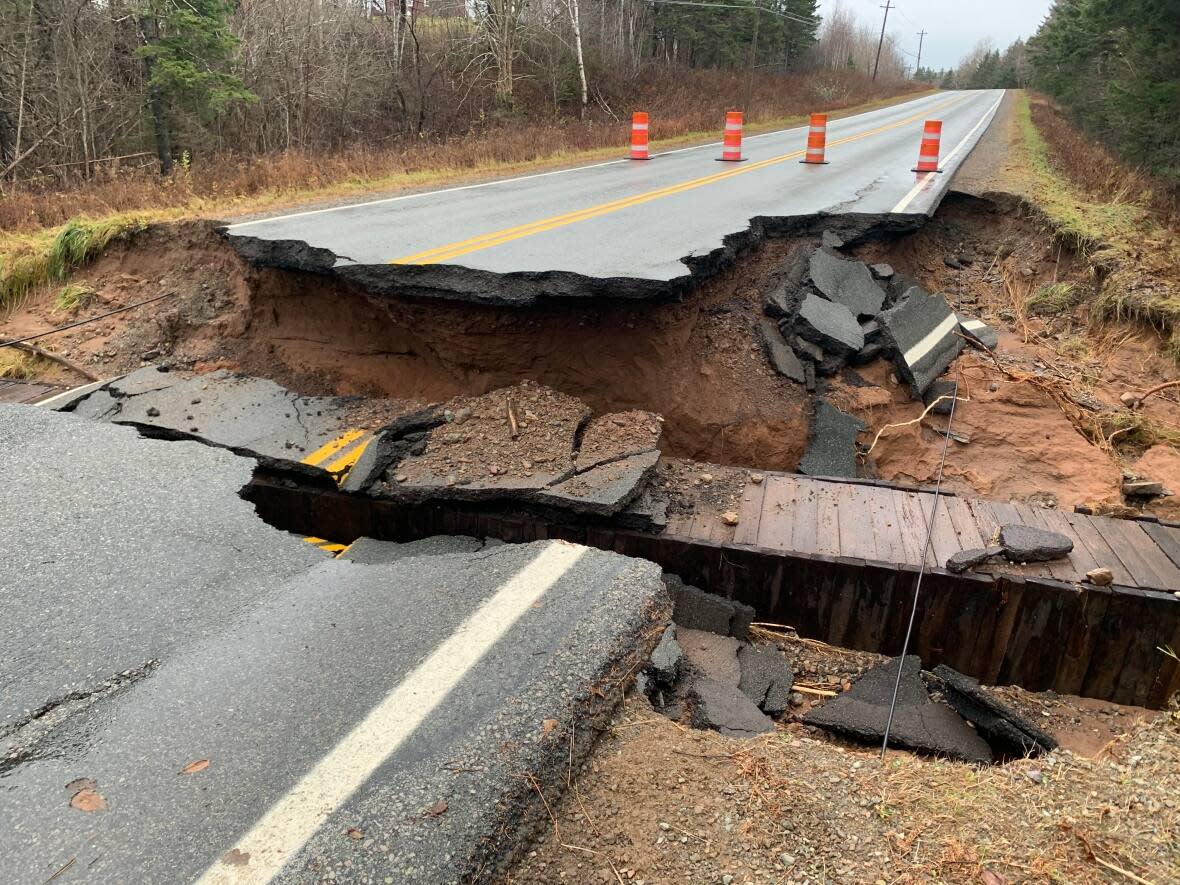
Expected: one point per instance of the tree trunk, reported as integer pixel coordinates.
(576, 19)
(149, 32)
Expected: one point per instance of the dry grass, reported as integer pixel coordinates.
(1117, 218)
(948, 822)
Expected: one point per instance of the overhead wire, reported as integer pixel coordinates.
(746, 6)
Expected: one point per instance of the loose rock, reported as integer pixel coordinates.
(1024, 543)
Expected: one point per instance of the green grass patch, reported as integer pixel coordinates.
(72, 296)
(1054, 299)
(30, 262)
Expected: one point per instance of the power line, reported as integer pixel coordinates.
(746, 6)
(888, 6)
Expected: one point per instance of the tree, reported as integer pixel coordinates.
(188, 52)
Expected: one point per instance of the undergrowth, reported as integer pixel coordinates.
(1109, 215)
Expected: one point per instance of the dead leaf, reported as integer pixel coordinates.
(236, 857)
(195, 766)
(548, 725)
(439, 807)
(88, 800)
(990, 878)
(82, 783)
(354, 833)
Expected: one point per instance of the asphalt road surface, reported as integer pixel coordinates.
(191, 695)
(640, 219)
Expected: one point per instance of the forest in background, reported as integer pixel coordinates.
(103, 89)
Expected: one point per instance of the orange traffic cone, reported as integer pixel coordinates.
(928, 153)
(817, 137)
(731, 149)
(639, 136)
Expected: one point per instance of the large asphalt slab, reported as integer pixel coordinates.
(640, 220)
(361, 720)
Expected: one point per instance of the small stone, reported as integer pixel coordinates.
(756, 478)
(729, 517)
(796, 699)
(1034, 775)
(1129, 399)
(726, 879)
(706, 477)
(153, 412)
(1100, 577)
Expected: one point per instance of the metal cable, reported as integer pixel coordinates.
(921, 571)
(101, 316)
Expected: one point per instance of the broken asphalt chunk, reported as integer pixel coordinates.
(979, 332)
(1023, 543)
(666, 658)
(766, 678)
(921, 330)
(882, 271)
(832, 326)
(919, 723)
(1005, 729)
(831, 447)
(781, 357)
(725, 709)
(846, 282)
(969, 559)
(694, 609)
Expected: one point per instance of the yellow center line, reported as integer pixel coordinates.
(346, 461)
(327, 450)
(495, 238)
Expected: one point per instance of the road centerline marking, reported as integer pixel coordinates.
(295, 817)
(448, 251)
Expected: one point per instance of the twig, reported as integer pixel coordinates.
(819, 692)
(1139, 400)
(69, 863)
(917, 420)
(512, 425)
(53, 357)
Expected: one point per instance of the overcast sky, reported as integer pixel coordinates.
(953, 26)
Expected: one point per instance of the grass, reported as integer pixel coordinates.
(17, 365)
(1053, 299)
(1112, 216)
(71, 297)
(34, 260)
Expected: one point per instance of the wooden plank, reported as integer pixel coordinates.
(779, 508)
(943, 537)
(984, 519)
(1166, 538)
(1122, 543)
(827, 519)
(1148, 551)
(1085, 529)
(1081, 558)
(887, 527)
(914, 521)
(750, 513)
(857, 533)
(963, 522)
(805, 519)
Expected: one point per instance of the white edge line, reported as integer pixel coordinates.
(927, 177)
(496, 181)
(295, 817)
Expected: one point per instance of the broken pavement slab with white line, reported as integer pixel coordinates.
(359, 720)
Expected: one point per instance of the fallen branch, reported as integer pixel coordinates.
(1138, 401)
(818, 692)
(52, 357)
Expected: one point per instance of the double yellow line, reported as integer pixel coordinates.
(351, 443)
(445, 253)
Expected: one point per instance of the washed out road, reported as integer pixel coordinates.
(640, 219)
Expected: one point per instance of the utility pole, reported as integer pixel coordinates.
(881, 42)
(921, 37)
